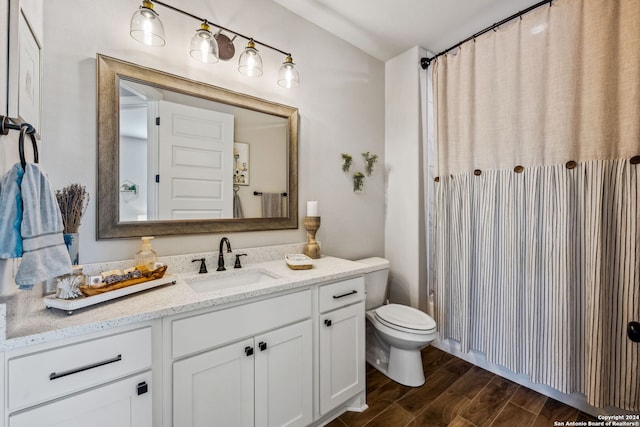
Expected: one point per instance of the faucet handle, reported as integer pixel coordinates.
(237, 264)
(203, 266)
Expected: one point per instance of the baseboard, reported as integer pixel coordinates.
(576, 400)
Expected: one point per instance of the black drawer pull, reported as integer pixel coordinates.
(53, 375)
(345, 295)
(262, 345)
(327, 322)
(248, 350)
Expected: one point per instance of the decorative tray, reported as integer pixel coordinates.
(51, 301)
(298, 261)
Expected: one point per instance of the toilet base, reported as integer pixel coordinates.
(402, 366)
(405, 367)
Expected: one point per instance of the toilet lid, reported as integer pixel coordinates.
(405, 317)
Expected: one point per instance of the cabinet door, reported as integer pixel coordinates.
(284, 376)
(115, 404)
(342, 360)
(215, 388)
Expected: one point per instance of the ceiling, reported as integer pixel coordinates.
(386, 28)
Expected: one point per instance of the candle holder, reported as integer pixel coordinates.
(312, 248)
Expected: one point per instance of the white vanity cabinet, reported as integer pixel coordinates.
(342, 342)
(103, 381)
(248, 365)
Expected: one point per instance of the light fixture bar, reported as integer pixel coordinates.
(197, 18)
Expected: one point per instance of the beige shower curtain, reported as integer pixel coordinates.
(538, 199)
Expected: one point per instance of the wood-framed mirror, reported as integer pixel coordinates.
(221, 152)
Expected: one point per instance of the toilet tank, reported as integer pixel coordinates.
(376, 280)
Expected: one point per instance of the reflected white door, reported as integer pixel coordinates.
(195, 163)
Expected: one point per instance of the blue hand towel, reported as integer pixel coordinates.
(44, 253)
(11, 213)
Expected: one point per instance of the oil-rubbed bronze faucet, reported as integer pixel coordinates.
(221, 256)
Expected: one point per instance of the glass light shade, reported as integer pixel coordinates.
(204, 47)
(288, 76)
(250, 63)
(146, 26)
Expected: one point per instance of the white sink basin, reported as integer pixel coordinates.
(228, 279)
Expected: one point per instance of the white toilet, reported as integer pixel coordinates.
(395, 333)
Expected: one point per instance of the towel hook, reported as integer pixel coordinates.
(26, 128)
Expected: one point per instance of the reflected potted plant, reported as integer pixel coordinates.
(72, 201)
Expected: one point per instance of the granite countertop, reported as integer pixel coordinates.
(32, 323)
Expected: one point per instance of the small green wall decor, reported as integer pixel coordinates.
(370, 159)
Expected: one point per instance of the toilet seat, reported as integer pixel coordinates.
(405, 318)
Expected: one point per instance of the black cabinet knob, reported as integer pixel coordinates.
(327, 322)
(248, 351)
(633, 331)
(142, 388)
(262, 345)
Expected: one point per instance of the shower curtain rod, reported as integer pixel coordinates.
(425, 62)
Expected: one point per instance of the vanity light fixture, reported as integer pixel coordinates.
(204, 47)
(147, 28)
(288, 76)
(250, 63)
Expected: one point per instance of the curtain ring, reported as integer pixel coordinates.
(570, 164)
(477, 172)
(518, 169)
(635, 160)
(436, 179)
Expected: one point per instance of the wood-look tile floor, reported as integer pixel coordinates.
(457, 394)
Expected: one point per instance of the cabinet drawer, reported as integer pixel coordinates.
(52, 373)
(209, 330)
(342, 293)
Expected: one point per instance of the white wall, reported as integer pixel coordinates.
(340, 99)
(404, 222)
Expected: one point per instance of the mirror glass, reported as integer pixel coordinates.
(177, 156)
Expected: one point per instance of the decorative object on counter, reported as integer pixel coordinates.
(120, 280)
(68, 285)
(369, 161)
(72, 242)
(73, 304)
(347, 159)
(72, 201)
(358, 181)
(209, 46)
(146, 255)
(298, 261)
(312, 248)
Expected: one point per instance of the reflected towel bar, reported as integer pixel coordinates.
(259, 193)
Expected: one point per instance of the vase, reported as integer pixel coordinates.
(72, 242)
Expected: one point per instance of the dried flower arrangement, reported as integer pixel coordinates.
(73, 201)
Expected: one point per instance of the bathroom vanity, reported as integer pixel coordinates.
(285, 351)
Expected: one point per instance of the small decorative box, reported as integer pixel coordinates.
(298, 261)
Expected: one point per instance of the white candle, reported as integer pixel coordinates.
(312, 208)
